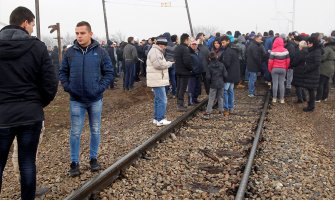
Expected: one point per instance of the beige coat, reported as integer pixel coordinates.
(157, 68)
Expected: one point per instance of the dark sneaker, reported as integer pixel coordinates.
(74, 169)
(299, 101)
(95, 166)
(196, 101)
(307, 109)
(287, 92)
(181, 109)
(40, 191)
(206, 115)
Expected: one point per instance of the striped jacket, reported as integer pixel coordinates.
(279, 56)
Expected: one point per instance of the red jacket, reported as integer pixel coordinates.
(279, 56)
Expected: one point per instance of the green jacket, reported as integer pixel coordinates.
(327, 67)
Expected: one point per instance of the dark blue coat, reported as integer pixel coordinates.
(85, 74)
(232, 64)
(254, 56)
(197, 67)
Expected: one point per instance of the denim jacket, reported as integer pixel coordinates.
(86, 73)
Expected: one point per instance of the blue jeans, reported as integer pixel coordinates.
(252, 76)
(129, 74)
(229, 96)
(27, 140)
(172, 77)
(77, 111)
(160, 102)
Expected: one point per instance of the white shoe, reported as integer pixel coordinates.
(274, 100)
(163, 122)
(318, 101)
(154, 121)
(282, 101)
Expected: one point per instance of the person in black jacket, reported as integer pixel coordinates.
(298, 64)
(28, 83)
(310, 74)
(215, 76)
(254, 61)
(184, 69)
(194, 82)
(232, 64)
(292, 47)
(204, 51)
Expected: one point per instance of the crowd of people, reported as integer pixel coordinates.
(173, 66)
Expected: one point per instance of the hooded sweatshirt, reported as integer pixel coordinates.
(279, 56)
(28, 80)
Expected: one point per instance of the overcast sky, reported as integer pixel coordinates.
(146, 18)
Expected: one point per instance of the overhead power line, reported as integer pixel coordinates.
(153, 4)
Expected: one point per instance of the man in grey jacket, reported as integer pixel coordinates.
(169, 56)
(130, 58)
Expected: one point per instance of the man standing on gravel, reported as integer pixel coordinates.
(158, 79)
(85, 73)
(183, 64)
(28, 83)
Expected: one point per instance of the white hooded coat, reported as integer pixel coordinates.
(157, 68)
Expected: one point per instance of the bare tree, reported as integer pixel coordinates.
(68, 39)
(207, 30)
(118, 36)
(49, 41)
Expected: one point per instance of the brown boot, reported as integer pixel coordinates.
(226, 113)
(240, 85)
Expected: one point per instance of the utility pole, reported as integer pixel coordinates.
(293, 16)
(57, 28)
(37, 10)
(105, 17)
(189, 18)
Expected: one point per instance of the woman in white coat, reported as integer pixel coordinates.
(158, 78)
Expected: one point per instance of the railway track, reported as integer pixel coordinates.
(214, 156)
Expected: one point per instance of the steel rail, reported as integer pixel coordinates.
(244, 182)
(109, 175)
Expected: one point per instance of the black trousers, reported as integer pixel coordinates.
(181, 89)
(311, 101)
(300, 93)
(206, 82)
(323, 89)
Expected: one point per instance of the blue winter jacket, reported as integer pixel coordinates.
(86, 73)
(197, 67)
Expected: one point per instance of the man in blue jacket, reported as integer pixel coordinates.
(28, 83)
(85, 73)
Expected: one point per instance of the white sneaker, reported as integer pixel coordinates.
(274, 100)
(282, 101)
(163, 122)
(154, 121)
(318, 101)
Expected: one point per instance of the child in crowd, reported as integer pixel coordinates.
(215, 75)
